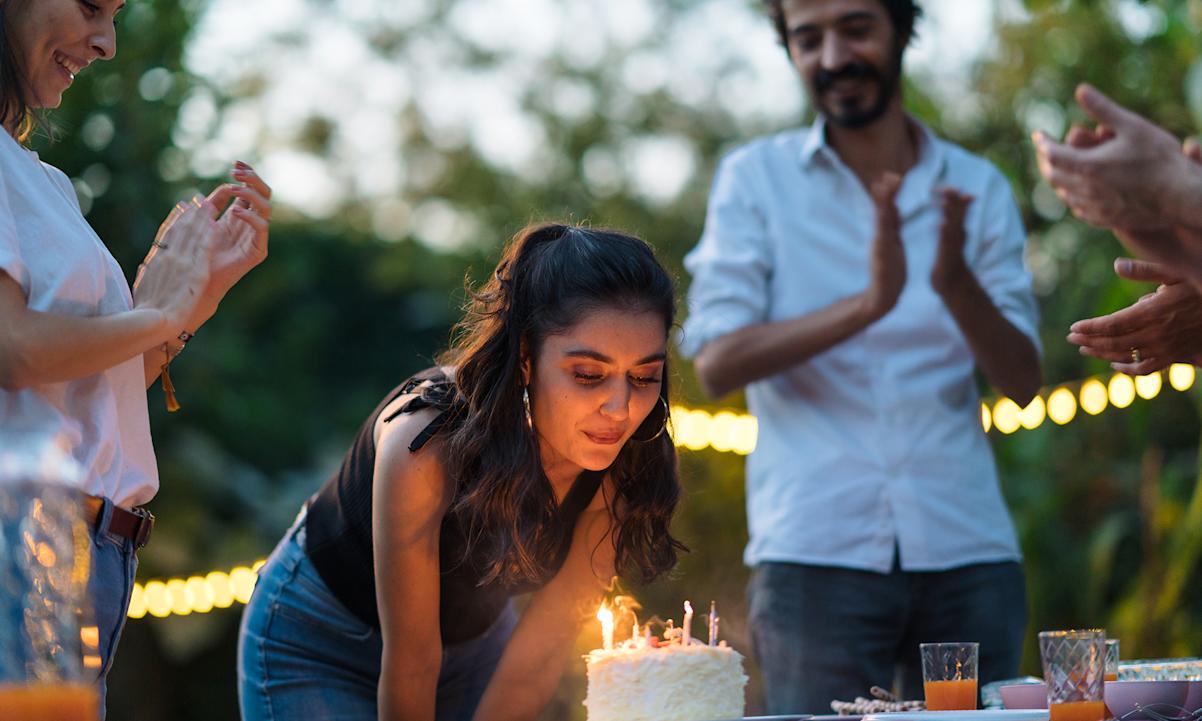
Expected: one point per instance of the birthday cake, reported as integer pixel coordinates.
(681, 680)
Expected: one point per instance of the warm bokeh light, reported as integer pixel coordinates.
(1181, 376)
(200, 594)
(1121, 390)
(724, 431)
(1006, 416)
(243, 581)
(158, 600)
(986, 417)
(1062, 406)
(89, 636)
(1034, 414)
(195, 594)
(1148, 387)
(1093, 396)
(223, 592)
(181, 604)
(137, 602)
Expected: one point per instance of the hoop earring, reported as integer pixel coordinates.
(645, 436)
(526, 406)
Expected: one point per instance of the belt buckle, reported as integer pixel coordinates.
(145, 525)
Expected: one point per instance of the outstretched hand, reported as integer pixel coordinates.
(1126, 174)
(1161, 328)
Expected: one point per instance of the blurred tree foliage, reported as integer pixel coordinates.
(1108, 509)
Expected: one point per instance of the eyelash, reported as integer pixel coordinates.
(93, 8)
(588, 380)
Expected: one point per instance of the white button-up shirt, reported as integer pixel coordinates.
(877, 443)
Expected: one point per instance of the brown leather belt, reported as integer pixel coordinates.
(132, 525)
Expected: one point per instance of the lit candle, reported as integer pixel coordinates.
(606, 617)
(688, 623)
(713, 619)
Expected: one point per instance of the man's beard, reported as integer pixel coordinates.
(853, 116)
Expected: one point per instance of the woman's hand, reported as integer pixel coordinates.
(241, 242)
(1161, 328)
(1128, 174)
(176, 272)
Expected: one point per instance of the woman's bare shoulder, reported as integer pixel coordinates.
(418, 471)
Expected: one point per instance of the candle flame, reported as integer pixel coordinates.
(606, 617)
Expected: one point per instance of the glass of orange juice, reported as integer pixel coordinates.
(949, 675)
(49, 702)
(1074, 668)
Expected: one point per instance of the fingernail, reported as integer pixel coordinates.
(240, 164)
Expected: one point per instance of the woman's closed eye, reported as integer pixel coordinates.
(640, 380)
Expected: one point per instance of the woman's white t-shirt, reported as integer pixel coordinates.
(49, 249)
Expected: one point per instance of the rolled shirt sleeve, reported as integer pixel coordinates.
(731, 267)
(999, 262)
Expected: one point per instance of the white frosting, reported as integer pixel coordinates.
(669, 683)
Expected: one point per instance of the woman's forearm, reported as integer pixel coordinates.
(408, 687)
(39, 348)
(524, 683)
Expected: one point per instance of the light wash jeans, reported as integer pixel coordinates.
(303, 655)
(114, 563)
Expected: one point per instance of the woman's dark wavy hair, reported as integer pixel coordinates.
(904, 14)
(548, 277)
(14, 103)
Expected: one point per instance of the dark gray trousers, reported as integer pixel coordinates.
(821, 633)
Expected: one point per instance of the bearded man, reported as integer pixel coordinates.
(854, 276)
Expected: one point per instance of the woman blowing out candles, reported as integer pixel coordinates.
(534, 458)
(77, 348)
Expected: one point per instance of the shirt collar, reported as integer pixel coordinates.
(919, 184)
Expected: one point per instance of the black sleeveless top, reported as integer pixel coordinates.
(338, 526)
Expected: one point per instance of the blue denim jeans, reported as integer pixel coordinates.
(303, 655)
(821, 634)
(114, 563)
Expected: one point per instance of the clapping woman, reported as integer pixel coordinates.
(77, 348)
